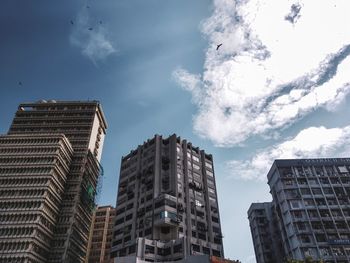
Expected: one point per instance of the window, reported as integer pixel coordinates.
(149, 249)
(195, 248)
(309, 202)
(148, 231)
(316, 191)
(206, 250)
(342, 169)
(165, 230)
(216, 253)
(295, 204)
(209, 165)
(305, 239)
(128, 217)
(132, 249)
(178, 248)
(195, 158)
(202, 236)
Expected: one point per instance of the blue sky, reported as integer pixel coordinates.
(277, 87)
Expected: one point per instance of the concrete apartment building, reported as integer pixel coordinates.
(167, 207)
(101, 232)
(310, 211)
(50, 169)
(266, 239)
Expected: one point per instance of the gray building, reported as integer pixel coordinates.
(167, 206)
(60, 215)
(310, 208)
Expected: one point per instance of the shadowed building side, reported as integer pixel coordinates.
(84, 125)
(167, 207)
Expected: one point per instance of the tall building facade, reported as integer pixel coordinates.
(167, 207)
(82, 127)
(311, 208)
(33, 173)
(101, 232)
(266, 239)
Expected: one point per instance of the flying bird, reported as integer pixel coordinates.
(72, 23)
(87, 6)
(90, 28)
(20, 83)
(100, 22)
(218, 46)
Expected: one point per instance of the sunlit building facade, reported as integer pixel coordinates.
(80, 127)
(101, 232)
(310, 208)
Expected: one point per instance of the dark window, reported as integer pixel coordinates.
(217, 241)
(149, 249)
(165, 230)
(119, 221)
(216, 253)
(178, 248)
(202, 236)
(128, 217)
(195, 248)
(117, 242)
(148, 208)
(216, 229)
(122, 252)
(127, 238)
(148, 231)
(132, 249)
(206, 250)
(194, 234)
(120, 210)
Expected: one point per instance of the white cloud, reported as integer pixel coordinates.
(313, 142)
(91, 37)
(271, 70)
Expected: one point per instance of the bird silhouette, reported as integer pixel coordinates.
(218, 46)
(100, 22)
(87, 6)
(20, 83)
(90, 28)
(72, 23)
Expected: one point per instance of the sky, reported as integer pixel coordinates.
(277, 87)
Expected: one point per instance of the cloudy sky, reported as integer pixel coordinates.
(276, 88)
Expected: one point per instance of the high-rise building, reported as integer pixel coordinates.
(167, 207)
(81, 126)
(101, 232)
(266, 240)
(311, 209)
(33, 173)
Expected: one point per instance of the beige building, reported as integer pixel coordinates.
(33, 172)
(63, 204)
(101, 232)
